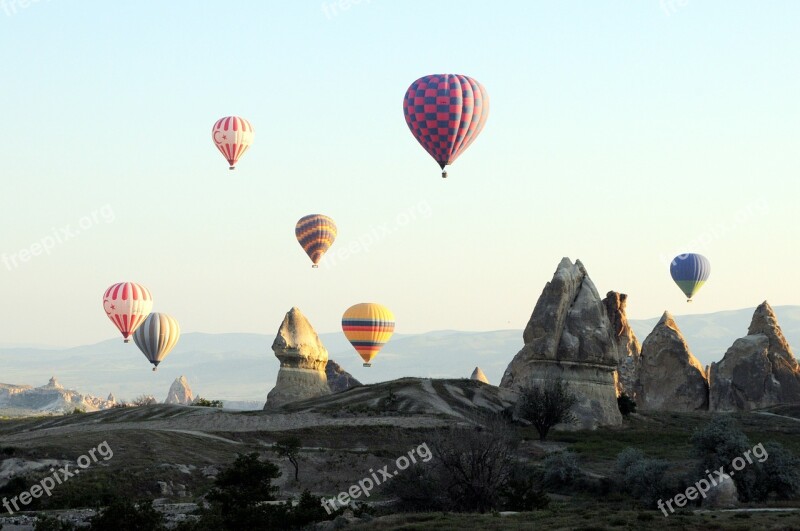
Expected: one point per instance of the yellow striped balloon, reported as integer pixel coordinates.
(368, 326)
(157, 336)
(316, 234)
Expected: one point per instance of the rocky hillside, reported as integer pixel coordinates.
(53, 398)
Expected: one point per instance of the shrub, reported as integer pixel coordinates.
(778, 474)
(49, 523)
(144, 400)
(522, 493)
(561, 469)
(125, 515)
(645, 479)
(202, 402)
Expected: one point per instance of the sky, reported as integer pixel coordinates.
(620, 133)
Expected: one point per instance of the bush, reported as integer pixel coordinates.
(626, 405)
(48, 523)
(561, 469)
(418, 488)
(779, 474)
(522, 493)
(717, 444)
(144, 400)
(202, 402)
(644, 479)
(124, 515)
(8, 450)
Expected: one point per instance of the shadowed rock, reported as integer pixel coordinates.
(759, 370)
(339, 379)
(569, 336)
(670, 377)
(628, 346)
(303, 359)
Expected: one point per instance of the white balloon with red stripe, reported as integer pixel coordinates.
(232, 135)
(127, 304)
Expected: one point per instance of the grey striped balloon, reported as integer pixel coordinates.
(157, 336)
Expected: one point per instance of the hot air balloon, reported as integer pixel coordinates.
(316, 234)
(446, 113)
(232, 135)
(157, 336)
(690, 271)
(127, 304)
(368, 326)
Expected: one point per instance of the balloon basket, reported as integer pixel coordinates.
(232, 168)
(444, 175)
(127, 340)
(688, 300)
(155, 369)
(315, 266)
(367, 365)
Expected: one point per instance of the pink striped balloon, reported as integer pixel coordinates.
(232, 135)
(127, 304)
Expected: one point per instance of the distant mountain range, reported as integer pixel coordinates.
(242, 368)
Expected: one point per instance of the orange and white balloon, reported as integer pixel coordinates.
(232, 135)
(127, 304)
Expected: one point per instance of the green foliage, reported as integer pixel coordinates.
(626, 405)
(717, 444)
(49, 523)
(522, 492)
(779, 474)
(561, 469)
(645, 479)
(77, 411)
(546, 405)
(125, 515)
(202, 402)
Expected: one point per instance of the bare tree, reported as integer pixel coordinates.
(144, 400)
(546, 405)
(475, 463)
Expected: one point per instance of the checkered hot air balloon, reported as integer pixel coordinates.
(157, 336)
(690, 271)
(368, 326)
(127, 304)
(232, 135)
(446, 113)
(316, 234)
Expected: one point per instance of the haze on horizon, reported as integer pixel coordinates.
(619, 134)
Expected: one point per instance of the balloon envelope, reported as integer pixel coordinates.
(127, 304)
(446, 113)
(316, 234)
(690, 271)
(157, 336)
(232, 135)
(368, 326)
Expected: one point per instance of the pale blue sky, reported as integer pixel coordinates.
(620, 133)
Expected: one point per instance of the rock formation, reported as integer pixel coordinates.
(303, 359)
(569, 336)
(759, 370)
(53, 398)
(339, 379)
(723, 495)
(627, 345)
(670, 377)
(180, 392)
(478, 375)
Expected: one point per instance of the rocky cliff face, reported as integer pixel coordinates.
(339, 379)
(180, 392)
(570, 336)
(670, 377)
(52, 398)
(478, 375)
(759, 370)
(303, 359)
(628, 347)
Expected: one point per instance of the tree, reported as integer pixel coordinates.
(144, 400)
(125, 515)
(626, 405)
(546, 405)
(202, 402)
(289, 447)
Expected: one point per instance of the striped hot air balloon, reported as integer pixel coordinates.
(316, 234)
(368, 326)
(690, 271)
(446, 113)
(232, 135)
(157, 336)
(127, 304)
